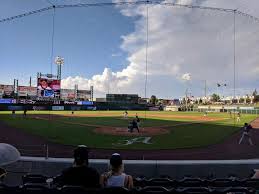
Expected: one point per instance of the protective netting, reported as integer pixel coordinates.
(188, 45)
(171, 49)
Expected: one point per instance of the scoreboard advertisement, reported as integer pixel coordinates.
(48, 87)
(7, 90)
(27, 91)
(68, 94)
(83, 94)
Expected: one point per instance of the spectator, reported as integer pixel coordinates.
(116, 177)
(8, 155)
(80, 174)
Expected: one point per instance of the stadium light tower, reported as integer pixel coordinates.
(59, 62)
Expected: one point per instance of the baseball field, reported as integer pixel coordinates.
(108, 129)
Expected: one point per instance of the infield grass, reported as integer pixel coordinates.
(192, 134)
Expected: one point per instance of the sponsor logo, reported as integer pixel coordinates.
(144, 140)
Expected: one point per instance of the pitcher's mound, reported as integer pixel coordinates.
(120, 131)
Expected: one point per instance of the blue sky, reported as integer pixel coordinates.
(105, 47)
(88, 39)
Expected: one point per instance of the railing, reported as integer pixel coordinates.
(45, 150)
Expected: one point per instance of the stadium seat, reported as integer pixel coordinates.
(221, 182)
(57, 181)
(163, 182)
(239, 190)
(140, 181)
(254, 183)
(191, 182)
(114, 190)
(34, 188)
(7, 190)
(195, 190)
(69, 189)
(154, 189)
(34, 178)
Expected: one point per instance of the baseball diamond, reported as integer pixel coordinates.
(171, 135)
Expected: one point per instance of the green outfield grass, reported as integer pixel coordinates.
(194, 134)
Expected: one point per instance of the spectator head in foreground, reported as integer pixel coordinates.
(116, 163)
(80, 174)
(8, 155)
(116, 176)
(81, 156)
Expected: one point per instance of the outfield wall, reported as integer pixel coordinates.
(242, 110)
(97, 106)
(176, 169)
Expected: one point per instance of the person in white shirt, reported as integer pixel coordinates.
(116, 177)
(43, 85)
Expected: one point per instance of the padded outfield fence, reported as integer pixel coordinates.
(225, 110)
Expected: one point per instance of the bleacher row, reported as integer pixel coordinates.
(37, 184)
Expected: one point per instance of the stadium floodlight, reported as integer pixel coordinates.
(59, 61)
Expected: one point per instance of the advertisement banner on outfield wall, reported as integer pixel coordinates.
(247, 108)
(7, 90)
(85, 103)
(48, 87)
(6, 101)
(58, 108)
(27, 91)
(75, 108)
(39, 108)
(216, 107)
(203, 107)
(15, 107)
(230, 107)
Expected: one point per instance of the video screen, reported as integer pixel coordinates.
(7, 91)
(47, 87)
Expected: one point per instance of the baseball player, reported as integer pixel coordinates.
(246, 133)
(125, 114)
(238, 117)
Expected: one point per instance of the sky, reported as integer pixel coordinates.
(106, 47)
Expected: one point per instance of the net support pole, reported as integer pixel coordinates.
(234, 62)
(146, 68)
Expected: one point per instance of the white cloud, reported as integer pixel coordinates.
(102, 83)
(182, 40)
(186, 77)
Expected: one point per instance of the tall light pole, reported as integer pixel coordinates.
(205, 88)
(59, 62)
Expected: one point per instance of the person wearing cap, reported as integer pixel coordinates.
(80, 174)
(8, 155)
(116, 177)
